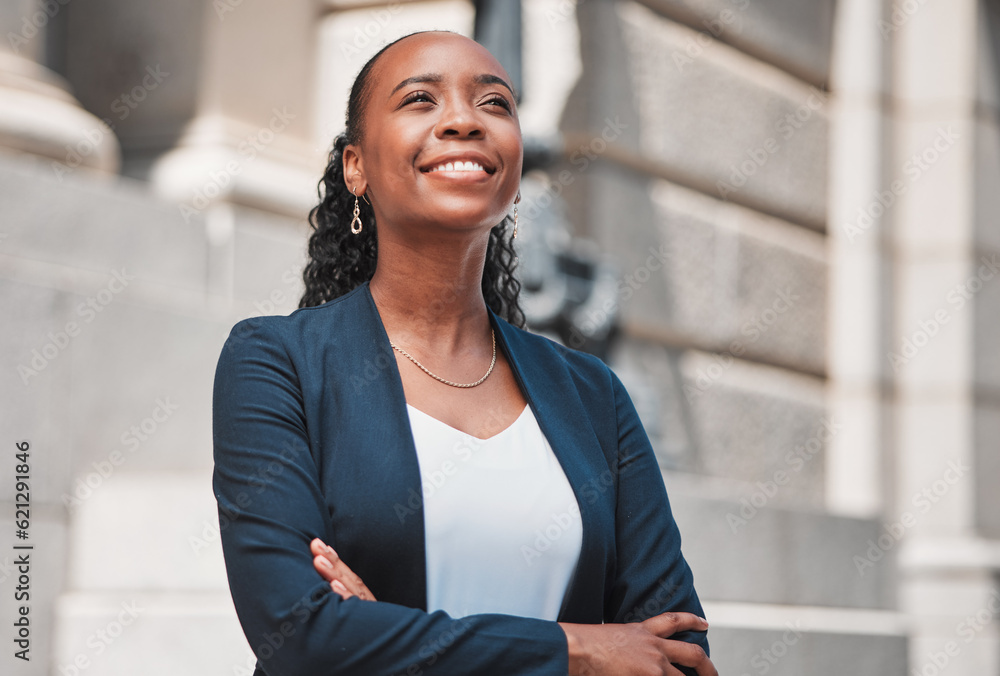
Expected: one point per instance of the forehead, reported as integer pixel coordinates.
(451, 55)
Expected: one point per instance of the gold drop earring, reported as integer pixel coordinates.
(514, 236)
(357, 214)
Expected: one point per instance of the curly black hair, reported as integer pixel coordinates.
(339, 260)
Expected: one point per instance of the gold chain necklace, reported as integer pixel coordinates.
(449, 382)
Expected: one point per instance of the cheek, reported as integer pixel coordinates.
(513, 156)
(513, 150)
(390, 168)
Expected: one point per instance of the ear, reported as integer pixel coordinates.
(354, 173)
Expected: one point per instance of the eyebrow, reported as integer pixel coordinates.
(485, 78)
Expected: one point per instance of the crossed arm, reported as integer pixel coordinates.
(594, 649)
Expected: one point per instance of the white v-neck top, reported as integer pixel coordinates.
(501, 521)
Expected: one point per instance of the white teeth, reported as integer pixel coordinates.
(459, 166)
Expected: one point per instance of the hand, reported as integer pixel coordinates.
(342, 579)
(636, 648)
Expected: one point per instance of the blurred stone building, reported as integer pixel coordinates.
(801, 201)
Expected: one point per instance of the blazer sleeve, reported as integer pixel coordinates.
(271, 506)
(652, 576)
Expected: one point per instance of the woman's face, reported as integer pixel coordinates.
(439, 99)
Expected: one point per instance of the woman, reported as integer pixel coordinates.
(494, 490)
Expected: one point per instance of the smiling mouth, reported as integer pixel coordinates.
(459, 167)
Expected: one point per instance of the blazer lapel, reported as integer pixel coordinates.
(375, 484)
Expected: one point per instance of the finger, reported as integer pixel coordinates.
(338, 587)
(338, 569)
(707, 669)
(331, 561)
(667, 624)
(328, 563)
(324, 568)
(690, 655)
(318, 547)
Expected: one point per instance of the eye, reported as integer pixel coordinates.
(499, 99)
(416, 96)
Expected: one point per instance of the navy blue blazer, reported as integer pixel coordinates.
(312, 439)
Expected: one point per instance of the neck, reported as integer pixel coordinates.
(430, 293)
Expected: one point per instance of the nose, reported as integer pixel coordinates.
(458, 119)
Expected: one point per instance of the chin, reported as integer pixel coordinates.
(468, 218)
